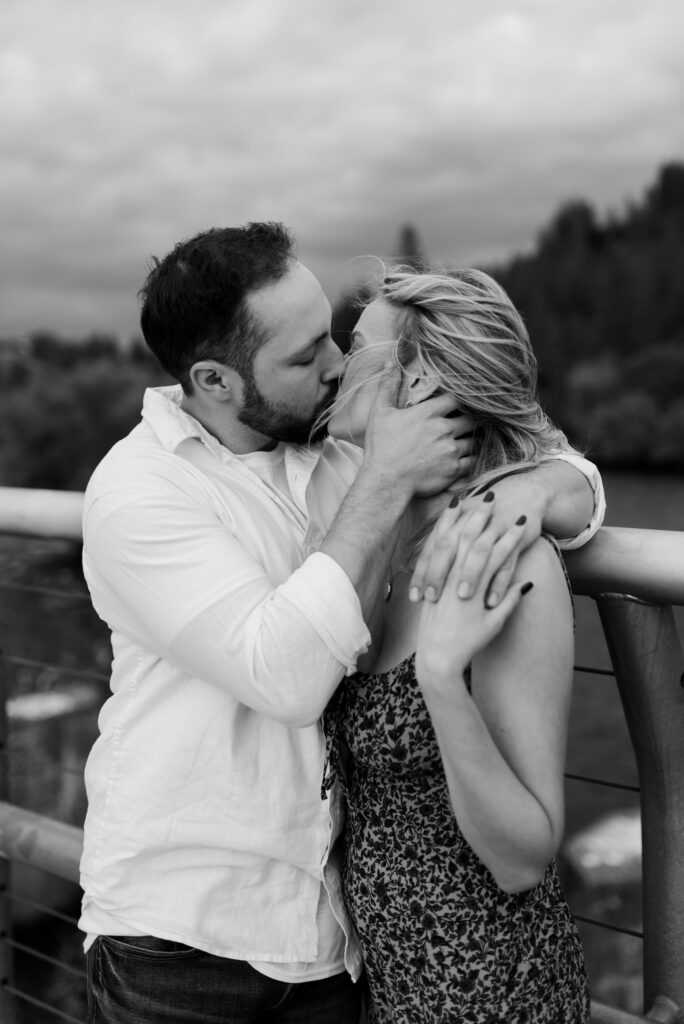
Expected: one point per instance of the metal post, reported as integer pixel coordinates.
(647, 659)
(7, 1014)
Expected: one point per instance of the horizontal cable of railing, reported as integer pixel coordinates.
(622, 929)
(44, 908)
(595, 671)
(10, 757)
(32, 588)
(602, 782)
(25, 997)
(45, 957)
(44, 666)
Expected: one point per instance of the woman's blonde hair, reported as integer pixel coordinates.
(460, 331)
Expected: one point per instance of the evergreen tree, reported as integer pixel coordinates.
(409, 249)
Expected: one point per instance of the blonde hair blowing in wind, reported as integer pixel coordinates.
(460, 331)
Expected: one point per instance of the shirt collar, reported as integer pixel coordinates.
(173, 425)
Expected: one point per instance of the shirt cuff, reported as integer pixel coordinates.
(323, 593)
(589, 470)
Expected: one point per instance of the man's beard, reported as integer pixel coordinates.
(276, 421)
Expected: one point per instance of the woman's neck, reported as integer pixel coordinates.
(420, 514)
(399, 637)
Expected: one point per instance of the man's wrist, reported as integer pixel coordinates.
(395, 491)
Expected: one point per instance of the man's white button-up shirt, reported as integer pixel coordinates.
(229, 634)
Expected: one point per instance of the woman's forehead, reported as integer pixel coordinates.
(377, 322)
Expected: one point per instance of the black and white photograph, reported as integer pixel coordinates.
(341, 512)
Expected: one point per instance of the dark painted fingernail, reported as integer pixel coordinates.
(519, 522)
(526, 587)
(489, 496)
(454, 502)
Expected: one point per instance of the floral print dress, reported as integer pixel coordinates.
(441, 941)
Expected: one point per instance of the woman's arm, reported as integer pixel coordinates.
(562, 496)
(503, 748)
(572, 499)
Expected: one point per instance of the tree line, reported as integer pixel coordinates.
(603, 300)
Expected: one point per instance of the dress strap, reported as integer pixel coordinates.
(554, 544)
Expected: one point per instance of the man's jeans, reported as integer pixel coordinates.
(145, 980)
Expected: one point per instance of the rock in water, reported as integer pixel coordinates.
(607, 852)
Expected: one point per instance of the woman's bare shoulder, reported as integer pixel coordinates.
(543, 558)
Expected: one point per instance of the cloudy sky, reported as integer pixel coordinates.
(126, 125)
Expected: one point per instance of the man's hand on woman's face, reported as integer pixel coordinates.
(509, 517)
(425, 448)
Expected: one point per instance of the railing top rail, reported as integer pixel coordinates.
(31, 512)
(648, 564)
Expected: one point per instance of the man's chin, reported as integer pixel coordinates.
(300, 433)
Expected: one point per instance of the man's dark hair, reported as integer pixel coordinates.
(194, 299)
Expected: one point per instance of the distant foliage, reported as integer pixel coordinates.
(603, 301)
(629, 409)
(604, 304)
(64, 404)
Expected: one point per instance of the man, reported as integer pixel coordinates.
(238, 568)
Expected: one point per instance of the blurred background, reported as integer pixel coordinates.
(541, 142)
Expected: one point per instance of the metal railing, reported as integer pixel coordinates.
(635, 576)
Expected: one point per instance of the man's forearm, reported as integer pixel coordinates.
(363, 535)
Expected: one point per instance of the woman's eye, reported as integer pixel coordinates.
(306, 362)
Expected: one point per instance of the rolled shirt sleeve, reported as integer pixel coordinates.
(589, 470)
(175, 580)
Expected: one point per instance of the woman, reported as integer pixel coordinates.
(456, 733)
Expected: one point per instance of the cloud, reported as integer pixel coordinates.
(127, 127)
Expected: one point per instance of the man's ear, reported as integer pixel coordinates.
(214, 380)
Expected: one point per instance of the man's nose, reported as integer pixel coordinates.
(334, 363)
